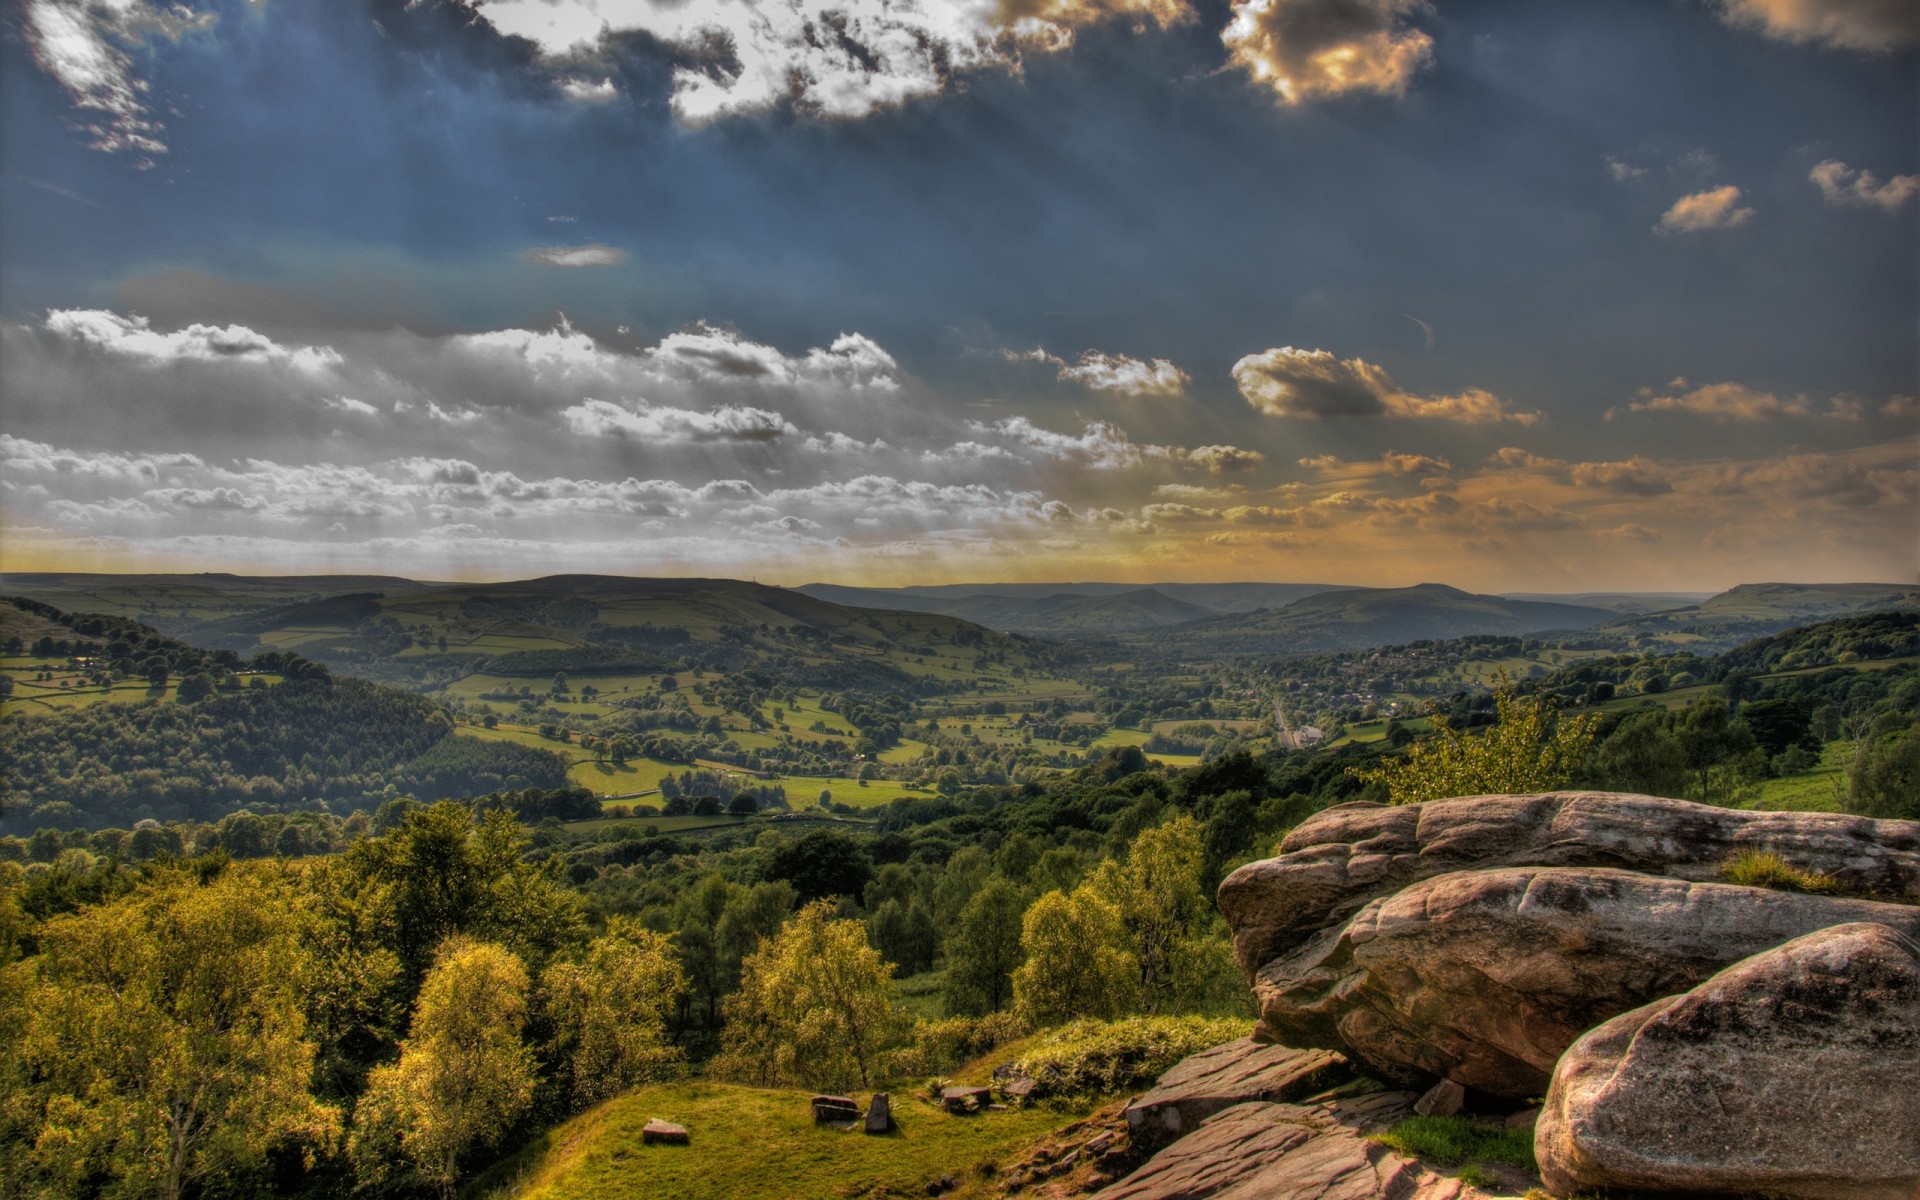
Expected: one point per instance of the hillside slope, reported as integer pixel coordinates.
(1362, 618)
(1756, 609)
(1074, 609)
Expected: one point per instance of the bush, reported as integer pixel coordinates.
(1452, 1141)
(1094, 1057)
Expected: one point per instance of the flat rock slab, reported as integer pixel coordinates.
(663, 1133)
(1792, 1074)
(965, 1099)
(832, 1110)
(1264, 1151)
(1486, 977)
(1337, 860)
(1220, 1077)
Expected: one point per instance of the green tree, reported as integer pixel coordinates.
(1530, 748)
(815, 1006)
(904, 936)
(1884, 778)
(164, 1043)
(609, 1011)
(1642, 755)
(463, 1077)
(1078, 964)
(1164, 907)
(983, 951)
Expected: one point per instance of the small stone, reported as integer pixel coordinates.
(830, 1110)
(964, 1099)
(1526, 1118)
(1443, 1099)
(1018, 1089)
(997, 1108)
(665, 1133)
(880, 1114)
(1099, 1144)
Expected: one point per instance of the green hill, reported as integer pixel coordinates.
(1362, 618)
(1074, 609)
(1754, 610)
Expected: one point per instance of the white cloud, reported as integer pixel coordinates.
(647, 422)
(79, 43)
(594, 254)
(1289, 382)
(586, 91)
(349, 404)
(135, 337)
(1126, 376)
(1870, 25)
(836, 58)
(1842, 185)
(1223, 459)
(1721, 402)
(1308, 50)
(1716, 208)
(708, 353)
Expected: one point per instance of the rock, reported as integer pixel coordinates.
(828, 1110)
(965, 1099)
(1526, 1118)
(1443, 1099)
(658, 1132)
(1202, 1084)
(1339, 859)
(1265, 1151)
(1485, 977)
(1791, 1074)
(942, 1185)
(1018, 1089)
(880, 1114)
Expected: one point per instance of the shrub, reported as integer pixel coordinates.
(1452, 1141)
(1093, 1057)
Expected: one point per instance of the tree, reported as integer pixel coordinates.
(194, 688)
(904, 935)
(1884, 778)
(822, 864)
(165, 1042)
(1644, 756)
(983, 951)
(1162, 905)
(1529, 748)
(463, 1077)
(815, 1006)
(1078, 961)
(609, 1011)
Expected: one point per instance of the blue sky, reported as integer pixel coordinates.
(1506, 294)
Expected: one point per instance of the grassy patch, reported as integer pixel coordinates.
(1756, 868)
(1093, 1057)
(1458, 1141)
(759, 1142)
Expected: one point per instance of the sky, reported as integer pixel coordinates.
(1618, 295)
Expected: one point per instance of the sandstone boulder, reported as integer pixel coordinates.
(1339, 859)
(1485, 977)
(1793, 1074)
(829, 1110)
(965, 1099)
(1263, 1151)
(658, 1132)
(1202, 1084)
(880, 1114)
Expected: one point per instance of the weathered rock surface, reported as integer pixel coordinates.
(880, 1114)
(1202, 1084)
(1265, 1151)
(1795, 1073)
(829, 1109)
(965, 1099)
(1338, 860)
(1485, 977)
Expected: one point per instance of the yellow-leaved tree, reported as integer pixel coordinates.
(1079, 960)
(1531, 747)
(161, 1041)
(609, 1011)
(463, 1077)
(815, 1006)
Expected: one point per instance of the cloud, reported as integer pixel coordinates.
(349, 404)
(1288, 382)
(595, 254)
(709, 353)
(1875, 26)
(1308, 50)
(1127, 376)
(1224, 459)
(1844, 186)
(1634, 477)
(644, 421)
(20, 455)
(1717, 208)
(1629, 532)
(135, 337)
(1623, 171)
(833, 58)
(79, 43)
(586, 91)
(1721, 402)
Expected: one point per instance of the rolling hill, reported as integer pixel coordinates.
(1754, 610)
(1361, 618)
(1073, 610)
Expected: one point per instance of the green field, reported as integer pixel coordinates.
(1817, 790)
(763, 1142)
(70, 689)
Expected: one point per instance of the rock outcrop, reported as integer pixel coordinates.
(1315, 1151)
(1338, 860)
(1485, 977)
(1223, 1076)
(1792, 1074)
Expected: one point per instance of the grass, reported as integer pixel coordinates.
(1459, 1142)
(1095, 1057)
(1817, 789)
(761, 1142)
(1755, 868)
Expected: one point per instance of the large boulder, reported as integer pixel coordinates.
(1339, 859)
(1220, 1077)
(1792, 1074)
(1486, 977)
(1262, 1151)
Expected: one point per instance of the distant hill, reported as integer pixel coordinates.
(171, 602)
(1074, 610)
(1625, 603)
(1754, 610)
(1361, 618)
